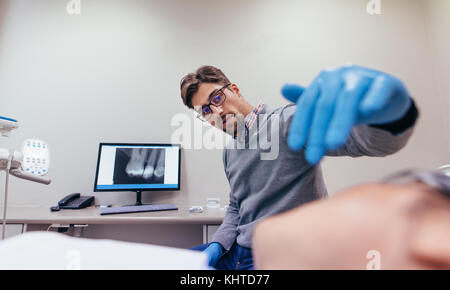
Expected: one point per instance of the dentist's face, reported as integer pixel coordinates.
(396, 226)
(225, 116)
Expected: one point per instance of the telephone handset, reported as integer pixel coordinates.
(74, 201)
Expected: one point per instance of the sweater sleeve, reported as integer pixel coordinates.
(227, 232)
(367, 140)
(379, 140)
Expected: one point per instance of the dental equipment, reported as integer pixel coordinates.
(36, 159)
(7, 125)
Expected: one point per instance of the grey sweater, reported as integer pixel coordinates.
(261, 188)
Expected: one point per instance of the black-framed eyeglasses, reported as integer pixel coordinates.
(437, 180)
(216, 99)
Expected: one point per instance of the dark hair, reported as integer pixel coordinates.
(205, 74)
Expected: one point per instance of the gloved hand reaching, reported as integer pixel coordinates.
(339, 99)
(214, 250)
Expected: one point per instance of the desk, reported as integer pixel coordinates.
(24, 216)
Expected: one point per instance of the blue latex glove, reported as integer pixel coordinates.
(214, 250)
(339, 99)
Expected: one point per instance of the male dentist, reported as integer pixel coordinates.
(347, 111)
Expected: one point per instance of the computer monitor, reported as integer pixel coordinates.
(138, 167)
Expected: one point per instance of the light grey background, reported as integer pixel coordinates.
(112, 74)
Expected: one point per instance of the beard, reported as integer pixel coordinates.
(229, 126)
(233, 125)
(230, 123)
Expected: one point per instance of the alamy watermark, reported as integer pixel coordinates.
(73, 260)
(374, 7)
(263, 136)
(374, 258)
(74, 7)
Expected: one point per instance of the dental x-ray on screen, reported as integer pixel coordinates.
(138, 167)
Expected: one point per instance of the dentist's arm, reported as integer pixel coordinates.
(226, 234)
(342, 106)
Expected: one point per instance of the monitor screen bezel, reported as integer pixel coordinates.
(137, 145)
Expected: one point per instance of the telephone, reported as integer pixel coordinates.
(73, 201)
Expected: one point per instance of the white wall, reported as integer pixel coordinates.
(437, 21)
(112, 74)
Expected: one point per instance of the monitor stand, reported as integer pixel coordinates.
(138, 198)
(139, 202)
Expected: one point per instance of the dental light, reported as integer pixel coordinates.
(35, 157)
(7, 125)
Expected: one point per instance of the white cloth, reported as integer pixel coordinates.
(45, 250)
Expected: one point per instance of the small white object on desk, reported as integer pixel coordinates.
(196, 208)
(213, 202)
